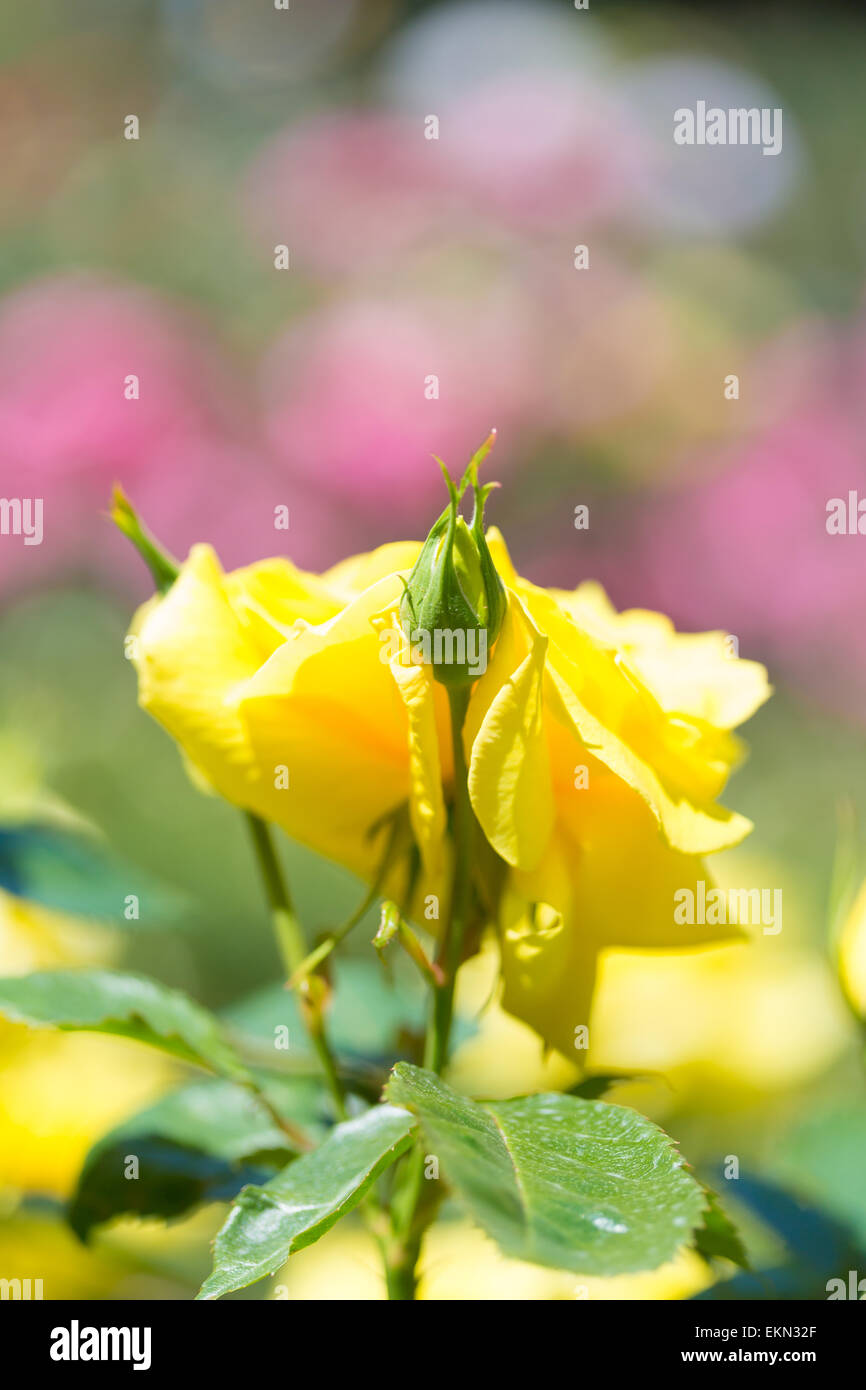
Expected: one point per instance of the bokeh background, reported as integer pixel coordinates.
(453, 258)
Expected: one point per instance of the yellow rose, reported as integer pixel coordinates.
(597, 745)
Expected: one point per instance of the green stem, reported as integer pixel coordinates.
(287, 928)
(409, 1219)
(296, 1136)
(290, 939)
(451, 946)
(401, 1278)
(321, 952)
(163, 567)
(329, 1067)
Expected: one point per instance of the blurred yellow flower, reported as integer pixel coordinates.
(458, 1261)
(597, 744)
(852, 954)
(36, 1245)
(719, 1023)
(37, 938)
(59, 1093)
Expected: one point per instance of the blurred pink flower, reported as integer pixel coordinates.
(749, 549)
(747, 546)
(349, 191)
(67, 345)
(741, 542)
(737, 539)
(540, 148)
(346, 191)
(345, 398)
(186, 451)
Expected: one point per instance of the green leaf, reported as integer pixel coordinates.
(130, 1006)
(76, 873)
(594, 1086)
(822, 1160)
(818, 1247)
(267, 1224)
(718, 1237)
(195, 1145)
(171, 1180)
(557, 1180)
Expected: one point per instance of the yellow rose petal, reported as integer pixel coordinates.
(509, 766)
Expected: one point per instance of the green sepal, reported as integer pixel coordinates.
(454, 590)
